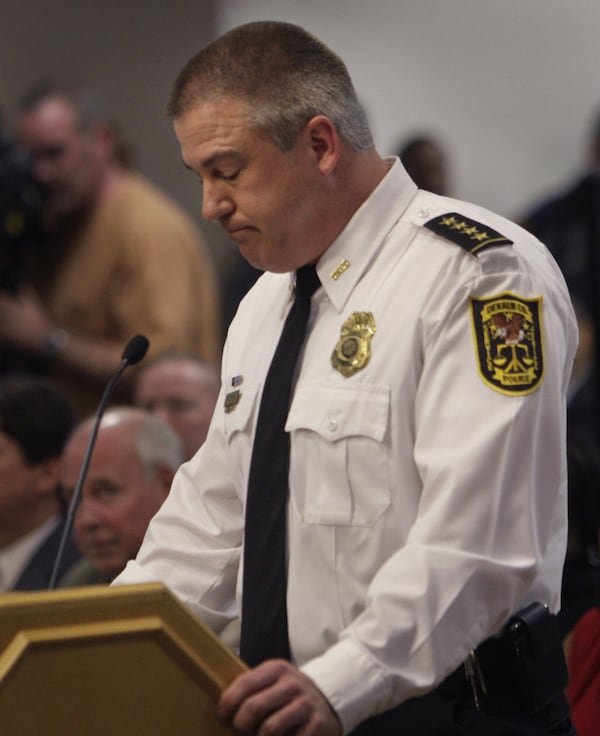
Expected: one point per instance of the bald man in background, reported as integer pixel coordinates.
(182, 390)
(130, 472)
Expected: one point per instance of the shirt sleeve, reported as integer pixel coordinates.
(193, 543)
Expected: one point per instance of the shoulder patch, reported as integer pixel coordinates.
(471, 235)
(507, 331)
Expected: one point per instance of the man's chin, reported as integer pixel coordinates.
(251, 255)
(58, 209)
(106, 564)
(262, 261)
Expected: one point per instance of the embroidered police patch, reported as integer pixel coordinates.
(508, 341)
(469, 234)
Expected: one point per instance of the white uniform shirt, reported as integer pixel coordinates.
(426, 504)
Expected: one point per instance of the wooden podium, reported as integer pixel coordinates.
(109, 661)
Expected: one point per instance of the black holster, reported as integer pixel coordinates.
(536, 655)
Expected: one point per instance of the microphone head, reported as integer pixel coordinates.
(135, 349)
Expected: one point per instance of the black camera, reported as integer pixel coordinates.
(20, 208)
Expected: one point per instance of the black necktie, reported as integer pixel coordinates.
(264, 632)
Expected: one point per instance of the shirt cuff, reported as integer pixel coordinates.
(354, 684)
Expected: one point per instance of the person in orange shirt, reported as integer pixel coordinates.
(117, 256)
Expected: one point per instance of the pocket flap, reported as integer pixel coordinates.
(337, 413)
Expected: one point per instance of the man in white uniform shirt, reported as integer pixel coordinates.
(427, 498)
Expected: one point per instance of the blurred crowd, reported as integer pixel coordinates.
(91, 254)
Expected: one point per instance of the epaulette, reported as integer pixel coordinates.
(469, 234)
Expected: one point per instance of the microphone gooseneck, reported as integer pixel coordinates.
(134, 351)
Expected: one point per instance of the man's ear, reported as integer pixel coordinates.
(104, 138)
(47, 476)
(324, 141)
(164, 477)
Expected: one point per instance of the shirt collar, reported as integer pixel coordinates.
(344, 262)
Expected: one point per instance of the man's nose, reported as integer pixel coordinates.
(216, 203)
(43, 169)
(161, 411)
(86, 516)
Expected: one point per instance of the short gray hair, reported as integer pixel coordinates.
(87, 103)
(157, 446)
(284, 74)
(156, 443)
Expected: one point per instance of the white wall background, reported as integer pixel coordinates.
(509, 86)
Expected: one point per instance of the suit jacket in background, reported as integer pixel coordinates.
(38, 572)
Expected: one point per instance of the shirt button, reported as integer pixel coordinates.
(332, 426)
(424, 213)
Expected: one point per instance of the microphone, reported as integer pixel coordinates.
(134, 351)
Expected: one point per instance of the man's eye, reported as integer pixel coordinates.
(231, 177)
(50, 153)
(178, 406)
(105, 493)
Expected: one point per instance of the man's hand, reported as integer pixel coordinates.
(274, 699)
(23, 320)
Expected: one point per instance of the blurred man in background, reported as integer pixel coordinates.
(117, 256)
(568, 222)
(131, 468)
(35, 421)
(426, 163)
(181, 390)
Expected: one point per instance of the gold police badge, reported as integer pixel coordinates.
(508, 341)
(353, 350)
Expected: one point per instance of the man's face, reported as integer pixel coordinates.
(182, 394)
(268, 201)
(117, 502)
(67, 158)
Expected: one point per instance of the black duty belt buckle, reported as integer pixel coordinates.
(536, 655)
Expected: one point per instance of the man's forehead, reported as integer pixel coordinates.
(158, 390)
(216, 123)
(53, 112)
(172, 368)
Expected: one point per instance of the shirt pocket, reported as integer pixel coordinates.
(340, 453)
